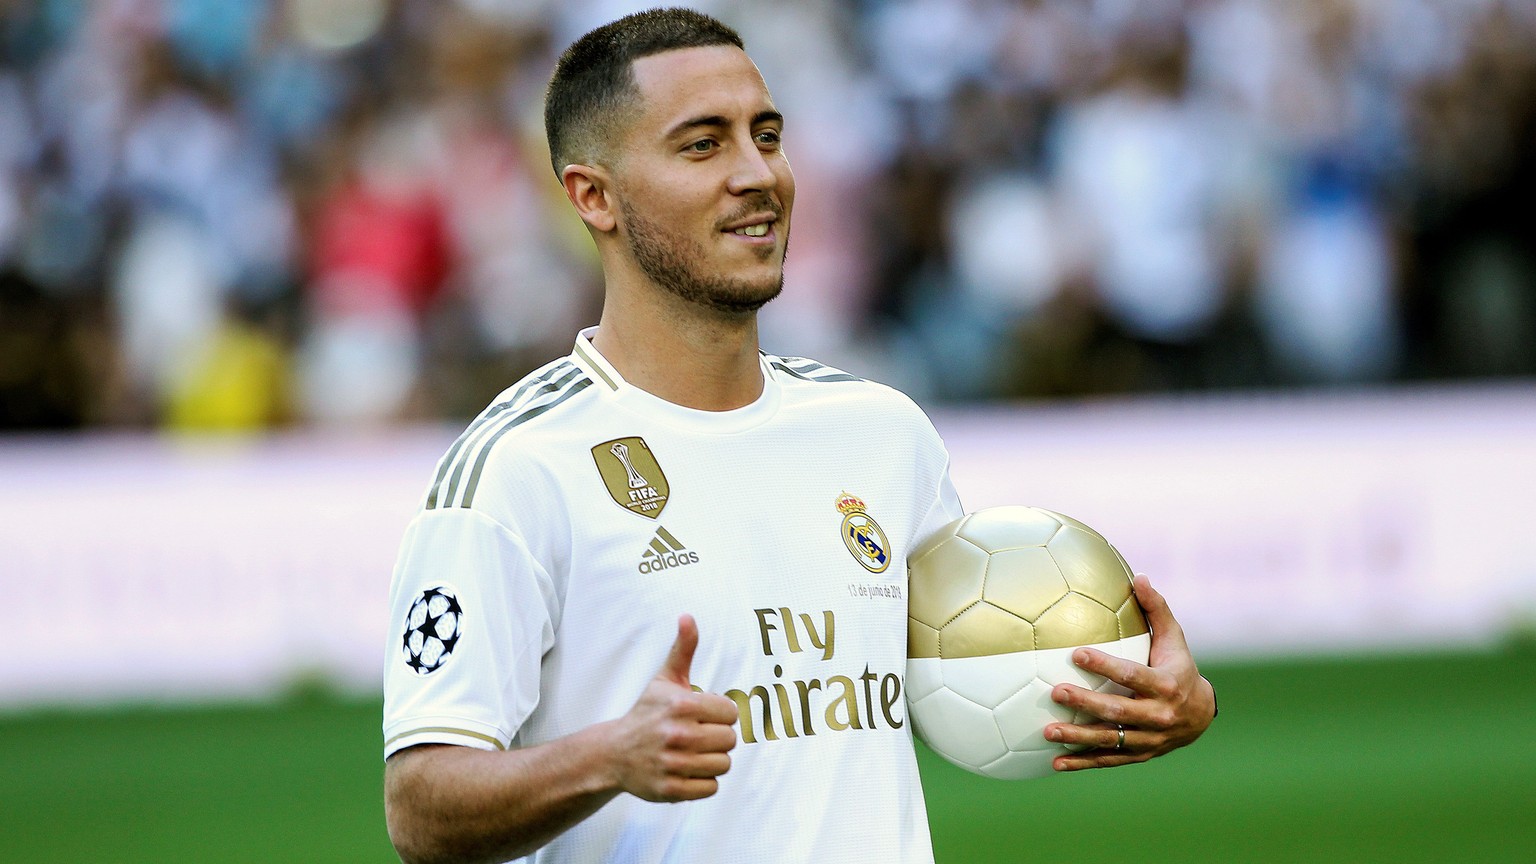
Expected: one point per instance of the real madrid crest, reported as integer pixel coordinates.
(632, 475)
(862, 535)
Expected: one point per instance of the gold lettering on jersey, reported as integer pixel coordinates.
(632, 475)
(863, 535)
(825, 639)
(800, 707)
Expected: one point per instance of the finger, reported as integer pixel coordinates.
(1109, 707)
(698, 765)
(687, 788)
(680, 658)
(715, 739)
(699, 737)
(1102, 736)
(714, 708)
(1098, 759)
(1134, 676)
(1103, 706)
(1114, 708)
(1165, 628)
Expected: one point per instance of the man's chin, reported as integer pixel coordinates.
(745, 300)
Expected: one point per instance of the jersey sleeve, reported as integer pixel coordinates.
(471, 615)
(938, 504)
(943, 509)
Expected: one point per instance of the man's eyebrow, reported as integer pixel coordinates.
(715, 121)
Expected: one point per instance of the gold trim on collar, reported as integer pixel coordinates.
(596, 367)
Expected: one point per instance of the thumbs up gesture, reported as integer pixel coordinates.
(675, 741)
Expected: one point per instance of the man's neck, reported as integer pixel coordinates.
(694, 358)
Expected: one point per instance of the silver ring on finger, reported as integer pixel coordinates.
(1120, 737)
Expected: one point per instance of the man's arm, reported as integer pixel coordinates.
(445, 803)
(1170, 707)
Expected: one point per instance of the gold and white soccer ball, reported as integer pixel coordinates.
(998, 600)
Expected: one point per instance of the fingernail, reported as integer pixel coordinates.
(1053, 734)
(1080, 657)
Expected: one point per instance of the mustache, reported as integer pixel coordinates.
(754, 207)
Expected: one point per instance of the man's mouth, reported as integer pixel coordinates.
(754, 220)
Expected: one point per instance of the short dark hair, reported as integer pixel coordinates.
(594, 83)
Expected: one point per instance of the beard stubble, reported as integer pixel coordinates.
(673, 262)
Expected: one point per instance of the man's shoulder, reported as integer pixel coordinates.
(807, 375)
(545, 396)
(805, 369)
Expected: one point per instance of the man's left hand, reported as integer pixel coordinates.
(1169, 707)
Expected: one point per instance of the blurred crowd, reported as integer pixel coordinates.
(241, 215)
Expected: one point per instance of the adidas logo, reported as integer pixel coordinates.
(666, 551)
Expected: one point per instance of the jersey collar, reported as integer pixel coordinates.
(654, 407)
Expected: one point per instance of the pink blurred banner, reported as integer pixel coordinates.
(154, 567)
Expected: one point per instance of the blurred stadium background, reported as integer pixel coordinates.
(1243, 283)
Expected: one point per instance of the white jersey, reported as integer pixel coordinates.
(538, 591)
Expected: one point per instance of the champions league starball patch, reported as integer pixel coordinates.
(432, 629)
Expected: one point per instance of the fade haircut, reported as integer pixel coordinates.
(593, 88)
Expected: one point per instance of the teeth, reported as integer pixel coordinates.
(753, 230)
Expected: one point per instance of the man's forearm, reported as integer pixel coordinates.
(458, 804)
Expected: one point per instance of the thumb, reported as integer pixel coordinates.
(680, 658)
(1166, 631)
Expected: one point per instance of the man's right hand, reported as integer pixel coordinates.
(463, 804)
(675, 741)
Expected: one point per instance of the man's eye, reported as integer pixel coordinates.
(768, 137)
(703, 145)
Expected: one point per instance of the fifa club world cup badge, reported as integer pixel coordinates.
(862, 535)
(632, 475)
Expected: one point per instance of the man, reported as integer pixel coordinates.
(629, 584)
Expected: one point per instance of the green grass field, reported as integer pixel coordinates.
(1424, 759)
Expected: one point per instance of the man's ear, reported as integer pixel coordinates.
(589, 189)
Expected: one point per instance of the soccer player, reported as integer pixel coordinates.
(669, 567)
